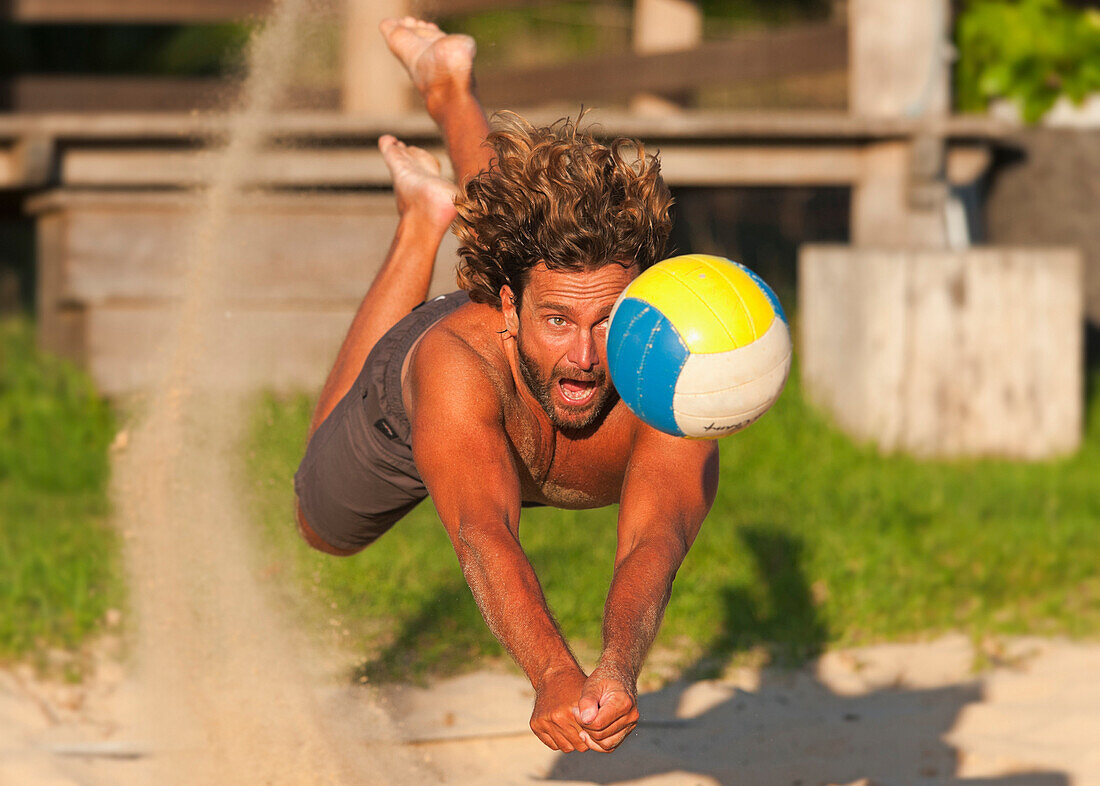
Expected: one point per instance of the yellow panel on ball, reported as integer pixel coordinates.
(758, 310)
(714, 305)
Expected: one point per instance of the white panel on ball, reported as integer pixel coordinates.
(697, 426)
(707, 373)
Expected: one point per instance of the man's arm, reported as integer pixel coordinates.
(464, 457)
(669, 487)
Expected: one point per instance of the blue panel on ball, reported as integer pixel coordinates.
(767, 291)
(645, 356)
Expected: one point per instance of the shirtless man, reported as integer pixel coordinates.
(498, 396)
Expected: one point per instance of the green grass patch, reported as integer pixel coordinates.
(813, 541)
(59, 563)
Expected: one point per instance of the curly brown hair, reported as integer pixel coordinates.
(555, 195)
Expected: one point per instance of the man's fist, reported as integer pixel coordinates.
(553, 720)
(607, 710)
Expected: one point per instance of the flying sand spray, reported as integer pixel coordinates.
(229, 693)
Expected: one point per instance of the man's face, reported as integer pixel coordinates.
(561, 335)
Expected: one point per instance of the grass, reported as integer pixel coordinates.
(813, 541)
(59, 562)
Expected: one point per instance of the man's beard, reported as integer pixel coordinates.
(570, 420)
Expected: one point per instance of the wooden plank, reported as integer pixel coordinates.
(108, 94)
(945, 353)
(112, 267)
(256, 348)
(103, 167)
(133, 10)
(77, 93)
(259, 345)
(750, 57)
(432, 9)
(206, 10)
(759, 165)
(324, 126)
(289, 250)
(680, 165)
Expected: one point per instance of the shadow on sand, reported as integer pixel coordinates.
(792, 730)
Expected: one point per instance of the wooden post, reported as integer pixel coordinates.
(664, 26)
(945, 353)
(898, 57)
(374, 82)
(898, 68)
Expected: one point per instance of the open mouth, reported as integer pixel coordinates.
(577, 391)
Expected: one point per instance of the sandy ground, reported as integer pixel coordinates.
(891, 714)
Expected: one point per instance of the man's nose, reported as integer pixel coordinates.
(583, 354)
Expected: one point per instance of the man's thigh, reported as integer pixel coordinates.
(351, 487)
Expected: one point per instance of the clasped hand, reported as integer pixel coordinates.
(577, 713)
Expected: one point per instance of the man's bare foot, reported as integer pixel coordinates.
(417, 183)
(438, 63)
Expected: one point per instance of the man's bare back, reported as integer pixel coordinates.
(508, 399)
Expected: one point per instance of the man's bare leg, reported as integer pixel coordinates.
(441, 67)
(425, 202)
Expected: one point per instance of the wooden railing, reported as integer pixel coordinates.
(758, 56)
(651, 69)
(125, 11)
(197, 11)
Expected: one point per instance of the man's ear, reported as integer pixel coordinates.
(509, 310)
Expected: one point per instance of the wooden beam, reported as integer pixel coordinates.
(746, 58)
(81, 93)
(166, 11)
(685, 164)
(724, 126)
(759, 165)
(203, 10)
(432, 9)
(109, 93)
(182, 168)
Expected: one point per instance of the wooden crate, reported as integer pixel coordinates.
(946, 353)
(111, 273)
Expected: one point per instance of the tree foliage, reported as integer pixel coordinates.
(1029, 51)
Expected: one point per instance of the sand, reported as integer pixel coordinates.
(891, 714)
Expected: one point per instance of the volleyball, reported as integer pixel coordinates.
(698, 346)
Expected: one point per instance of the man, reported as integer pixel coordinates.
(498, 396)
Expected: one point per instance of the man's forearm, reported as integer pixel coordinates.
(640, 591)
(508, 593)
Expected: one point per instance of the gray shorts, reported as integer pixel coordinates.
(358, 476)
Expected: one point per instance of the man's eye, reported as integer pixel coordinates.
(557, 321)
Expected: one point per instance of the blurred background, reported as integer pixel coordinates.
(918, 179)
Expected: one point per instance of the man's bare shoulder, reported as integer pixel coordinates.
(459, 360)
